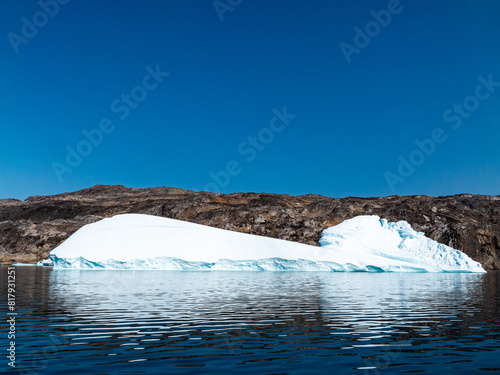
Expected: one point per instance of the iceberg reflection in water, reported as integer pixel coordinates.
(271, 322)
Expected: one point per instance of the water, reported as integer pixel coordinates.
(174, 322)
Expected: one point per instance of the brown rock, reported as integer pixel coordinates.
(30, 229)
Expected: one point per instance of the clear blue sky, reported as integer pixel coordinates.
(354, 121)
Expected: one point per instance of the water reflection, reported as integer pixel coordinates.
(263, 322)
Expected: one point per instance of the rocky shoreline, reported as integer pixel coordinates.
(30, 229)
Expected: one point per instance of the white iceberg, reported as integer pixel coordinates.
(364, 243)
(377, 243)
(45, 263)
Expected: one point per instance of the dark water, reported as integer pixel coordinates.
(169, 322)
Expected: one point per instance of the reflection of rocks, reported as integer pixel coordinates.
(31, 229)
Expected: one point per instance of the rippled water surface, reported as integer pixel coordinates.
(169, 322)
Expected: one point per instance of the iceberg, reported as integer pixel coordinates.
(45, 263)
(392, 246)
(364, 243)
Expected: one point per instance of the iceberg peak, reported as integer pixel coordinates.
(370, 237)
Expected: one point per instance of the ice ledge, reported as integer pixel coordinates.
(270, 264)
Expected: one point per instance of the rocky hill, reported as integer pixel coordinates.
(30, 229)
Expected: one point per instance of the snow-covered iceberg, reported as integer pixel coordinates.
(364, 243)
(45, 263)
(377, 243)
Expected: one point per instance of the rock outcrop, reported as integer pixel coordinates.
(30, 229)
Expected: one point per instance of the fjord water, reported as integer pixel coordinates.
(178, 322)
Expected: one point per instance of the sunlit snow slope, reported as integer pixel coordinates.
(364, 243)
